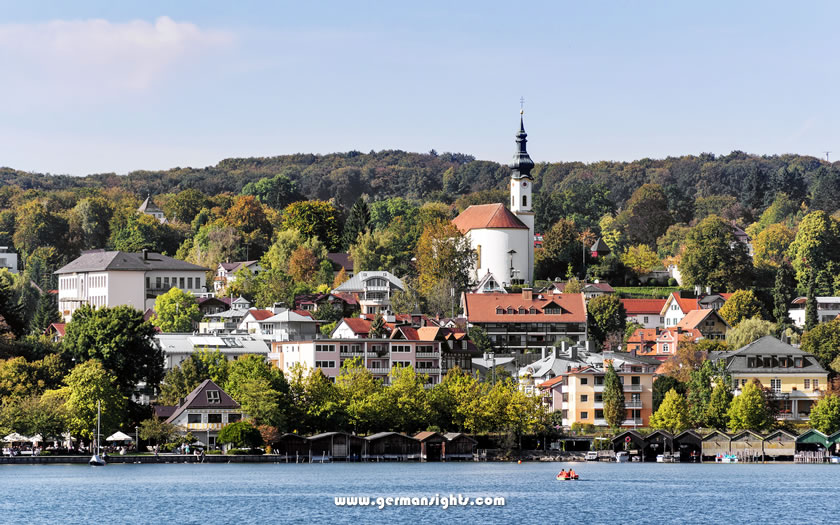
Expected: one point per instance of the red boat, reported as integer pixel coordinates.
(566, 477)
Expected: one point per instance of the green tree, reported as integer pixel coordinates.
(771, 246)
(185, 377)
(373, 251)
(278, 191)
(140, 231)
(700, 393)
(357, 222)
(404, 400)
(713, 257)
(783, 294)
(672, 415)
(743, 304)
(262, 402)
(185, 205)
(89, 223)
(443, 254)
(646, 216)
(749, 410)
(35, 415)
(825, 415)
(377, 328)
(823, 341)
(811, 316)
(607, 317)
(717, 411)
(480, 339)
(640, 258)
(360, 393)
(88, 383)
(817, 242)
(748, 331)
(561, 248)
(36, 226)
(120, 339)
(157, 430)
(251, 367)
(46, 313)
(662, 385)
(242, 434)
(614, 411)
(314, 219)
(176, 311)
(315, 402)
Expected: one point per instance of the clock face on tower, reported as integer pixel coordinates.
(524, 184)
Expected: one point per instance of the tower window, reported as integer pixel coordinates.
(524, 200)
(512, 201)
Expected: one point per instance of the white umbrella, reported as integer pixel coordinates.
(14, 437)
(119, 436)
(37, 438)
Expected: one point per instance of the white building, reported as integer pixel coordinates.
(226, 272)
(828, 308)
(177, 347)
(287, 325)
(99, 278)
(373, 290)
(8, 260)
(504, 239)
(149, 208)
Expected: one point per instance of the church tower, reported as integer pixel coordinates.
(521, 198)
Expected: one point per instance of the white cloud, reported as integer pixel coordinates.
(96, 56)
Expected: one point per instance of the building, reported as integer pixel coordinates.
(828, 308)
(228, 321)
(344, 302)
(55, 332)
(708, 322)
(372, 290)
(527, 320)
(578, 393)
(341, 261)
(287, 325)
(660, 343)
(645, 312)
(205, 411)
(226, 272)
(102, 278)
(8, 260)
(677, 305)
(149, 208)
(503, 239)
(212, 305)
(794, 378)
(177, 347)
(590, 290)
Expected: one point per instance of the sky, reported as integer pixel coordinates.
(95, 87)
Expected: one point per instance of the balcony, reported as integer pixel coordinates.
(378, 370)
(204, 426)
(632, 422)
(598, 404)
(601, 423)
(632, 388)
(351, 353)
(427, 354)
(632, 404)
(427, 370)
(598, 388)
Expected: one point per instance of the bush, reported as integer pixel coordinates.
(244, 451)
(213, 452)
(672, 282)
(46, 453)
(583, 428)
(241, 434)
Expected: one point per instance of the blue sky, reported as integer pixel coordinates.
(94, 87)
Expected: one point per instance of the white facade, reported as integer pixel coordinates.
(647, 320)
(8, 260)
(828, 308)
(521, 206)
(493, 247)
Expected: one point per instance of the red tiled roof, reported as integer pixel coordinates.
(481, 308)
(551, 382)
(487, 216)
(58, 327)
(260, 315)
(643, 306)
(305, 313)
(357, 324)
(693, 318)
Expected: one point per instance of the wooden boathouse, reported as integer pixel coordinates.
(335, 446)
(391, 446)
(291, 447)
(688, 446)
(779, 446)
(459, 446)
(432, 446)
(713, 444)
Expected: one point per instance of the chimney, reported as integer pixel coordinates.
(145, 254)
(708, 290)
(527, 294)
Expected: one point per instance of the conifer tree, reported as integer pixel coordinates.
(357, 222)
(811, 319)
(46, 313)
(614, 410)
(717, 412)
(783, 291)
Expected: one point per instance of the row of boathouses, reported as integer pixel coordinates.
(383, 446)
(692, 446)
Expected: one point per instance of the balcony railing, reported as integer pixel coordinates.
(635, 421)
(632, 404)
(204, 426)
(632, 388)
(378, 370)
(427, 370)
(427, 354)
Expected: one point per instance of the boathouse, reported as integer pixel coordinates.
(459, 446)
(391, 446)
(812, 441)
(780, 445)
(747, 445)
(629, 441)
(335, 446)
(292, 447)
(688, 445)
(833, 442)
(432, 446)
(657, 442)
(713, 444)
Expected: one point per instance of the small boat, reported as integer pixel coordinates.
(834, 459)
(591, 456)
(566, 477)
(622, 457)
(660, 458)
(726, 458)
(96, 460)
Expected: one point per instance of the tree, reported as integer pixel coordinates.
(561, 248)
(303, 266)
(143, 232)
(185, 377)
(185, 205)
(157, 430)
(357, 222)
(817, 242)
(771, 246)
(672, 415)
(377, 328)
(825, 415)
(713, 257)
(689, 357)
(88, 383)
(359, 390)
(700, 393)
(263, 403)
(277, 192)
(251, 367)
(36, 226)
(717, 412)
(480, 339)
(176, 311)
(35, 415)
(662, 385)
(315, 403)
(646, 216)
(748, 331)
(314, 219)
(749, 410)
(823, 341)
(121, 340)
(640, 258)
(783, 294)
(373, 251)
(743, 304)
(242, 434)
(248, 218)
(811, 316)
(443, 254)
(89, 223)
(607, 316)
(614, 411)
(46, 313)
(573, 285)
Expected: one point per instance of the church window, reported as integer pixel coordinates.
(524, 200)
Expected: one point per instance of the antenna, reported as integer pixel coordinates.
(826, 156)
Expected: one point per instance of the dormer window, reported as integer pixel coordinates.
(532, 310)
(510, 310)
(499, 310)
(522, 310)
(213, 396)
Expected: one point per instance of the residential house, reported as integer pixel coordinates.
(150, 208)
(535, 374)
(828, 308)
(518, 321)
(660, 343)
(646, 312)
(372, 290)
(677, 305)
(213, 305)
(287, 325)
(177, 347)
(590, 290)
(113, 278)
(55, 332)
(226, 272)
(708, 322)
(344, 302)
(341, 261)
(488, 284)
(205, 411)
(228, 321)
(8, 260)
(793, 377)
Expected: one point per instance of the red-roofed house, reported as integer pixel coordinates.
(660, 343)
(527, 320)
(708, 322)
(677, 305)
(251, 322)
(226, 272)
(55, 331)
(646, 312)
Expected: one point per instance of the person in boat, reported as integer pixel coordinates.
(571, 473)
(562, 473)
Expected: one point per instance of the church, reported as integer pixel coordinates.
(502, 238)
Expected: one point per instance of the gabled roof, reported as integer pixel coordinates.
(487, 216)
(423, 436)
(149, 206)
(769, 346)
(452, 436)
(600, 247)
(357, 282)
(341, 259)
(100, 261)
(356, 324)
(288, 316)
(481, 308)
(780, 432)
(813, 436)
(716, 434)
(643, 306)
(686, 304)
(695, 318)
(746, 434)
(551, 382)
(381, 435)
(58, 328)
(260, 315)
(198, 399)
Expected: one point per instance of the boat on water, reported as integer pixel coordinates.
(566, 477)
(726, 458)
(591, 456)
(834, 459)
(97, 460)
(622, 457)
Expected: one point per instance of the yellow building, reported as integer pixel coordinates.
(794, 378)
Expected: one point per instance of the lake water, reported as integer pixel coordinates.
(267, 493)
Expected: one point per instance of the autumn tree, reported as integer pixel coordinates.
(443, 254)
(303, 266)
(743, 304)
(314, 219)
(37, 226)
(248, 218)
(640, 258)
(771, 246)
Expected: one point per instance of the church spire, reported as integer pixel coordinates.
(522, 163)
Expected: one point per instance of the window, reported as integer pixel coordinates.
(646, 319)
(797, 362)
(189, 283)
(522, 310)
(666, 348)
(166, 282)
(743, 383)
(816, 383)
(524, 201)
(324, 348)
(157, 283)
(181, 283)
(478, 256)
(213, 396)
(510, 310)
(636, 398)
(401, 348)
(776, 385)
(565, 397)
(499, 310)
(599, 398)
(532, 310)
(807, 384)
(324, 364)
(401, 363)
(751, 362)
(584, 380)
(233, 418)
(584, 415)
(635, 380)
(599, 380)
(214, 418)
(193, 418)
(599, 414)
(584, 398)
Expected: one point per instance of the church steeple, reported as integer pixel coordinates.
(522, 163)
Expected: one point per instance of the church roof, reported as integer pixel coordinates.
(487, 216)
(149, 207)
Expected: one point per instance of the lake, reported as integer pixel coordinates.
(267, 493)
